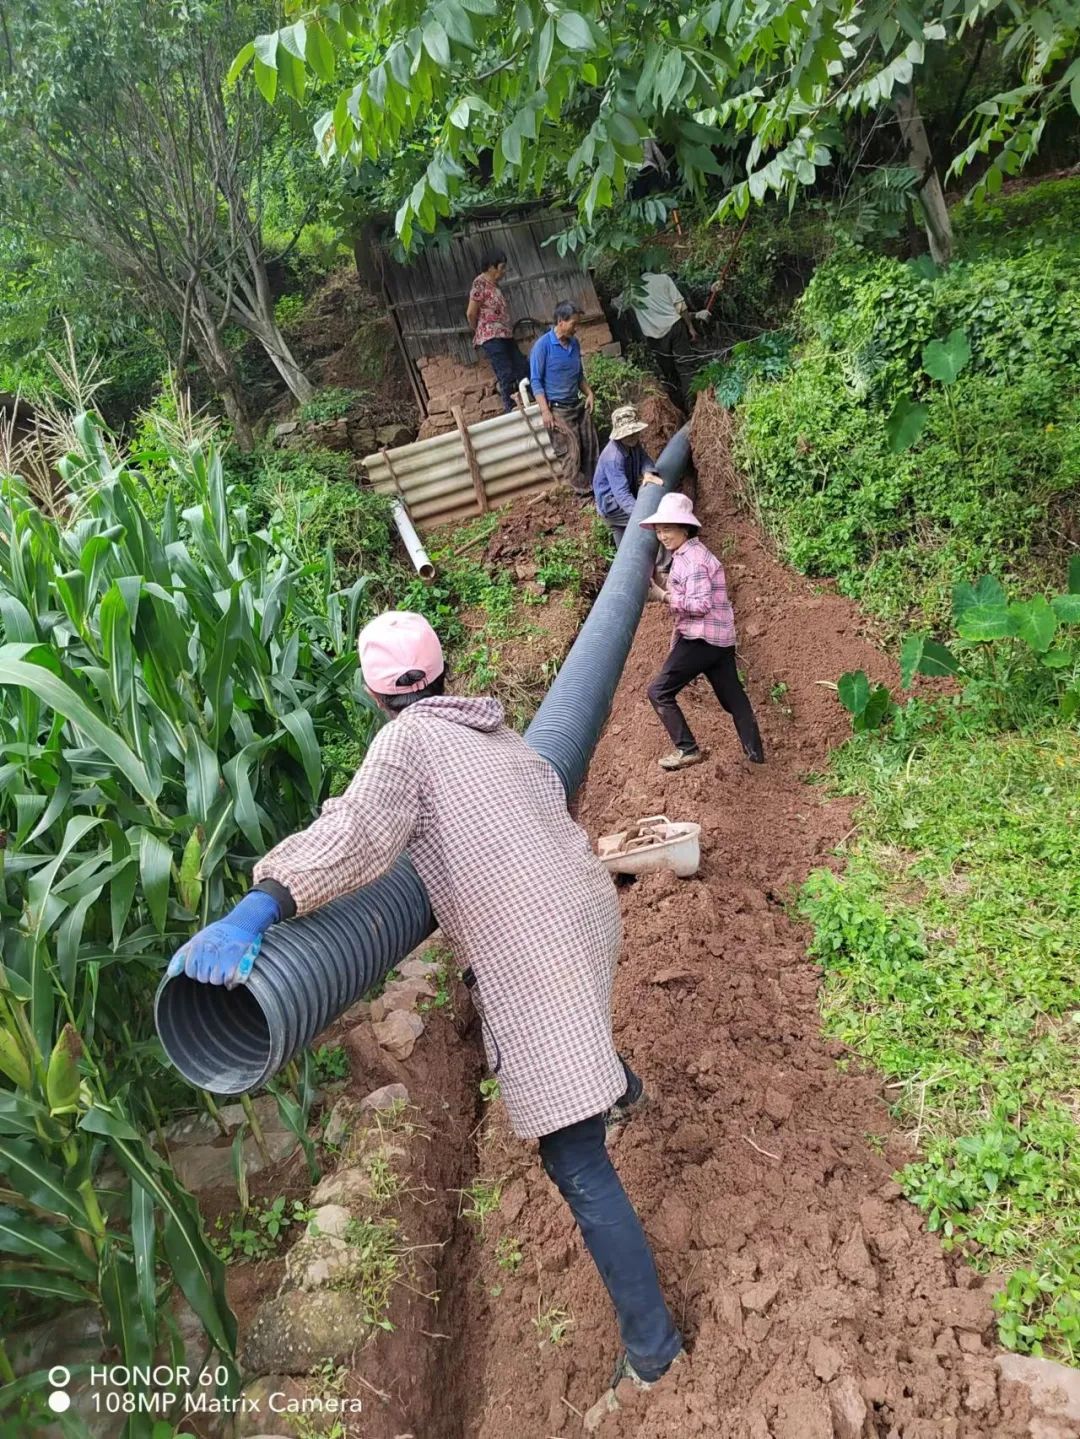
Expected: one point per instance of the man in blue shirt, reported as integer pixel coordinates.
(564, 395)
(622, 468)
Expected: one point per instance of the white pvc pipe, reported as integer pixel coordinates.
(411, 540)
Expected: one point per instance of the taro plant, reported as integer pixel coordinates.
(165, 686)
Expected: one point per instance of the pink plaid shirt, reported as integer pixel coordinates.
(697, 594)
(514, 884)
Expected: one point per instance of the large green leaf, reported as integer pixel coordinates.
(194, 1265)
(201, 776)
(127, 1328)
(1035, 622)
(986, 622)
(943, 360)
(55, 692)
(300, 726)
(905, 424)
(853, 690)
(45, 1284)
(43, 1245)
(155, 870)
(39, 1181)
(1067, 608)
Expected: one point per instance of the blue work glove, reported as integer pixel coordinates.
(224, 951)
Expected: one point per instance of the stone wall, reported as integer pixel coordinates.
(472, 387)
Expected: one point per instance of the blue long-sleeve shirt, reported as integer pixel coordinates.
(617, 478)
(555, 369)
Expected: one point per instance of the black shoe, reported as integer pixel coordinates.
(632, 1102)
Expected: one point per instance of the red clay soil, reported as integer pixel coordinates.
(813, 1300)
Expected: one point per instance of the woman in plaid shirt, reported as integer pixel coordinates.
(704, 639)
(525, 903)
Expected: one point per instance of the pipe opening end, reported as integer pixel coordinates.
(218, 1039)
(427, 572)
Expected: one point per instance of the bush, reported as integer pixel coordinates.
(997, 458)
(616, 381)
(330, 404)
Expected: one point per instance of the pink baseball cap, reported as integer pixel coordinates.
(673, 510)
(399, 653)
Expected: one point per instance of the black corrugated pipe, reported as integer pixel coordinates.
(309, 970)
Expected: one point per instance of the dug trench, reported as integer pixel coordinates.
(814, 1302)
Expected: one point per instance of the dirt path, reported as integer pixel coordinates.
(814, 1302)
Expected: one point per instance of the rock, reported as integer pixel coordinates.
(202, 1166)
(854, 1262)
(671, 974)
(398, 1033)
(513, 1201)
(416, 968)
(824, 1359)
(330, 1220)
(777, 1105)
(389, 436)
(347, 1187)
(980, 1391)
(672, 1224)
(402, 994)
(757, 1298)
(1053, 1389)
(803, 1414)
(299, 1330)
(386, 1097)
(753, 629)
(340, 1121)
(260, 1415)
(607, 1404)
(963, 1309)
(287, 427)
(848, 1409)
(191, 1128)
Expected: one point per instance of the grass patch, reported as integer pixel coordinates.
(949, 948)
(373, 1267)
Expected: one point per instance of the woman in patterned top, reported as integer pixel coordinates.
(525, 904)
(703, 642)
(489, 319)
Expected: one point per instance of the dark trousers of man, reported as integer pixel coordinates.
(674, 357)
(687, 660)
(577, 1162)
(510, 366)
(617, 524)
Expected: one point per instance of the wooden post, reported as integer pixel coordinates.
(470, 456)
(539, 441)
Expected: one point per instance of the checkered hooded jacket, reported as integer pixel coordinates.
(514, 885)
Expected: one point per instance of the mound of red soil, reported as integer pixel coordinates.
(814, 1302)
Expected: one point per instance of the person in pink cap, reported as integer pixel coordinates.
(703, 642)
(527, 907)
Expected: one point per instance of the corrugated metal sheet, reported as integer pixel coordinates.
(434, 479)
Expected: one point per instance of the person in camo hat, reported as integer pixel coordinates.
(623, 467)
(525, 903)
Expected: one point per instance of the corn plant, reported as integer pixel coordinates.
(164, 689)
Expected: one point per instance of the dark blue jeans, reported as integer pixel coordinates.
(510, 366)
(576, 1160)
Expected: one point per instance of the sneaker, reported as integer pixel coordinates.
(634, 1101)
(682, 759)
(625, 1370)
(608, 1403)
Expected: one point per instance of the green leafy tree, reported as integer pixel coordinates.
(566, 97)
(116, 132)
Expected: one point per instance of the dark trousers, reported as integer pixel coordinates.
(576, 1161)
(674, 356)
(687, 660)
(617, 524)
(510, 366)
